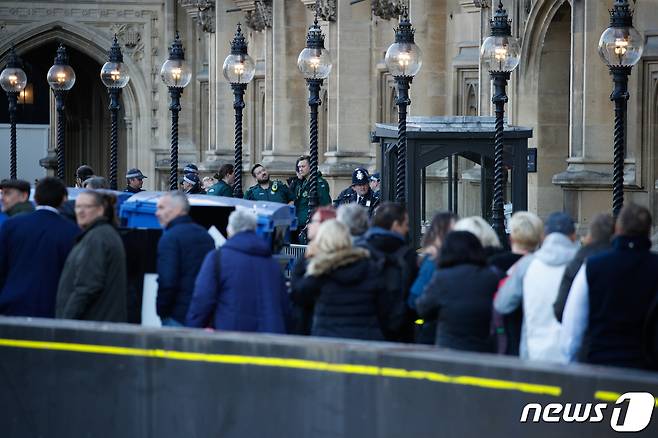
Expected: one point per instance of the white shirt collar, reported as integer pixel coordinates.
(47, 207)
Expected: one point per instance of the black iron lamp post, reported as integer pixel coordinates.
(13, 80)
(620, 47)
(500, 54)
(114, 77)
(239, 70)
(61, 79)
(315, 64)
(176, 74)
(404, 60)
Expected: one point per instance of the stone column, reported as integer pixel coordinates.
(221, 144)
(349, 85)
(428, 90)
(289, 92)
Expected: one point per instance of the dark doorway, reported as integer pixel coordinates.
(88, 118)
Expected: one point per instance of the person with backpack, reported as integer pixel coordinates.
(396, 261)
(240, 287)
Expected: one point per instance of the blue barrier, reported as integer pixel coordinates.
(275, 220)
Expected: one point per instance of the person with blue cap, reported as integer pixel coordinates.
(359, 192)
(135, 181)
(192, 185)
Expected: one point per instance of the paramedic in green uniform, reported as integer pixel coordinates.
(302, 192)
(266, 189)
(226, 178)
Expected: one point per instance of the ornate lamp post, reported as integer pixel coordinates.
(315, 64)
(620, 47)
(13, 81)
(500, 54)
(176, 74)
(61, 79)
(114, 77)
(404, 60)
(239, 70)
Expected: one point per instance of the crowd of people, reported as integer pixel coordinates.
(541, 296)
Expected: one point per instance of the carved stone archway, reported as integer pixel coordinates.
(92, 45)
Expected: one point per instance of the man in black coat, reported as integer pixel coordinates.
(181, 250)
(359, 192)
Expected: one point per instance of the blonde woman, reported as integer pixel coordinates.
(483, 231)
(343, 285)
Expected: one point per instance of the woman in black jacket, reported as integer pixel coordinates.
(343, 285)
(460, 295)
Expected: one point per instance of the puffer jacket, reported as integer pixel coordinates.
(343, 288)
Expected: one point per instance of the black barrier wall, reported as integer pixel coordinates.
(75, 379)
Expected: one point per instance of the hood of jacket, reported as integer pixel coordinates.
(383, 240)
(326, 263)
(556, 250)
(248, 242)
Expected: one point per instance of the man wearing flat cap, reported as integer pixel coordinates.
(15, 195)
(359, 192)
(135, 180)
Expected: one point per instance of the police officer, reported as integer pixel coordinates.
(191, 168)
(135, 180)
(192, 185)
(359, 192)
(375, 183)
(267, 190)
(302, 191)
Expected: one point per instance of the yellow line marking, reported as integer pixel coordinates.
(612, 396)
(281, 362)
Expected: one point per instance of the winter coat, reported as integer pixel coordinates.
(385, 247)
(512, 323)
(93, 283)
(461, 297)
(623, 285)
(248, 295)
(33, 249)
(344, 288)
(534, 284)
(181, 250)
(570, 273)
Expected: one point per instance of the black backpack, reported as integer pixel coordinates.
(396, 275)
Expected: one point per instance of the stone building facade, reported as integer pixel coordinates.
(561, 88)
